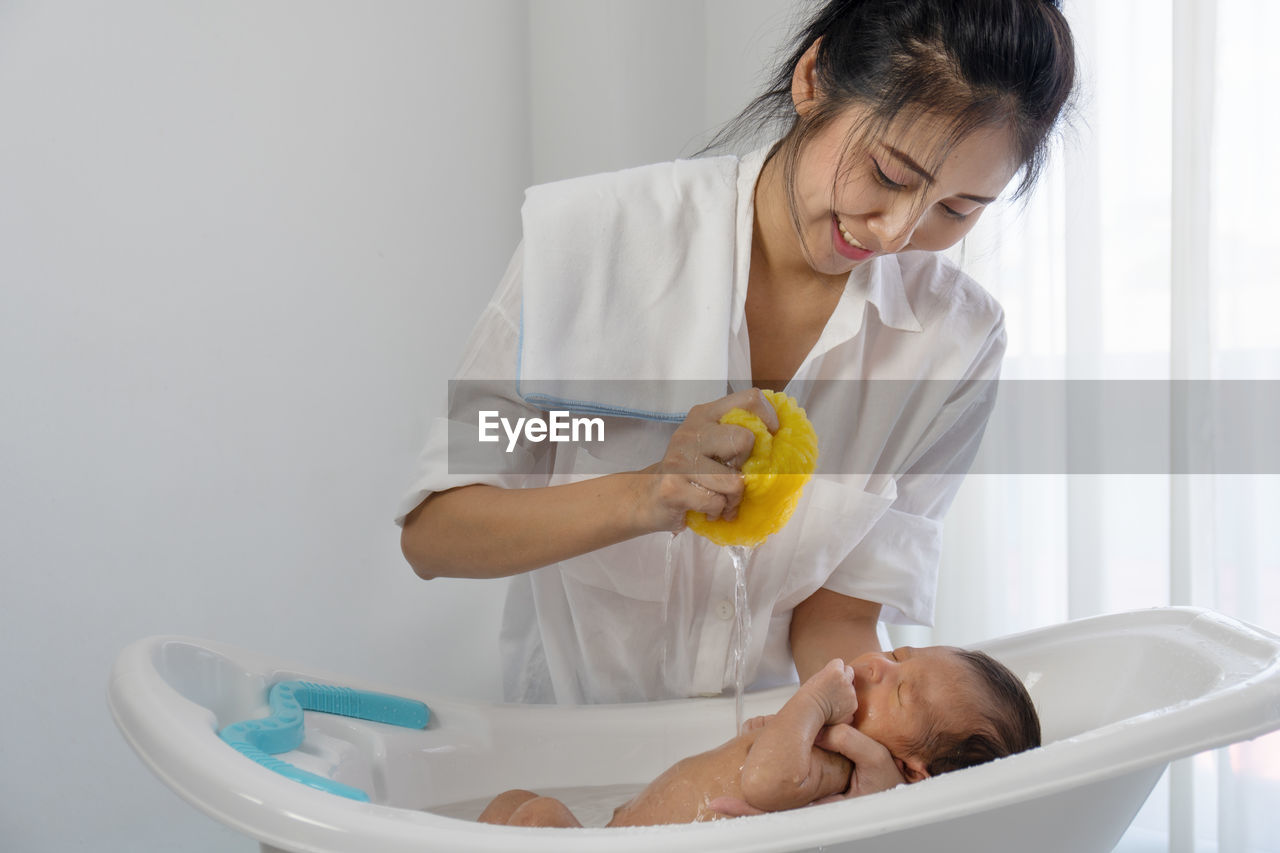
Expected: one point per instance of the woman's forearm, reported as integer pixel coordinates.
(828, 625)
(483, 531)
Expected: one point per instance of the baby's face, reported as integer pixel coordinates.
(904, 693)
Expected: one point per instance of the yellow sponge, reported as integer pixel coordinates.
(779, 466)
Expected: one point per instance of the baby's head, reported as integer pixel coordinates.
(940, 708)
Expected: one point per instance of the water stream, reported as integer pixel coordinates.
(664, 660)
(666, 579)
(742, 627)
(741, 638)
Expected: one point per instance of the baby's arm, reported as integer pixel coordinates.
(782, 769)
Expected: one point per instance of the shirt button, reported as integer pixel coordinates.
(725, 610)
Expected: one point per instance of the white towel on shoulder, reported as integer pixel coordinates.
(628, 282)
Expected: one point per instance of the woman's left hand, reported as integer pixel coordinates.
(874, 767)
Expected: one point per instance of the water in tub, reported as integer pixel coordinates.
(592, 805)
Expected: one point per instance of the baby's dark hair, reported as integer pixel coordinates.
(1009, 725)
(979, 63)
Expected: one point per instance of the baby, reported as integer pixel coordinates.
(891, 717)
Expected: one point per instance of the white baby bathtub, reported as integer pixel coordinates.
(1120, 696)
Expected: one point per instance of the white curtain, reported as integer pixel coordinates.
(1146, 253)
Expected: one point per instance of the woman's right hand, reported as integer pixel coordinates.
(701, 469)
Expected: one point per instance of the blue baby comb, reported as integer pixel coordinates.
(283, 730)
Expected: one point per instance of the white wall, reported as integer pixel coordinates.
(241, 245)
(619, 83)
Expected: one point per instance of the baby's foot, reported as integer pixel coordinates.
(832, 688)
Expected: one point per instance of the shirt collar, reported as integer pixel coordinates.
(881, 283)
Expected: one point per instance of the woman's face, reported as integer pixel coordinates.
(888, 194)
(904, 693)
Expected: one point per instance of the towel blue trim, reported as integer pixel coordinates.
(547, 402)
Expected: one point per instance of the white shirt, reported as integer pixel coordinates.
(653, 617)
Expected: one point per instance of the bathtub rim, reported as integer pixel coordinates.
(281, 813)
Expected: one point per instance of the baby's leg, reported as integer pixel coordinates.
(525, 808)
(543, 811)
(504, 805)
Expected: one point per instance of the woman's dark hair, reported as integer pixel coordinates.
(976, 63)
(1009, 721)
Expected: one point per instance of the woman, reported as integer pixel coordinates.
(809, 266)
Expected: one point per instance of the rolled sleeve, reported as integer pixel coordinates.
(896, 565)
(440, 469)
